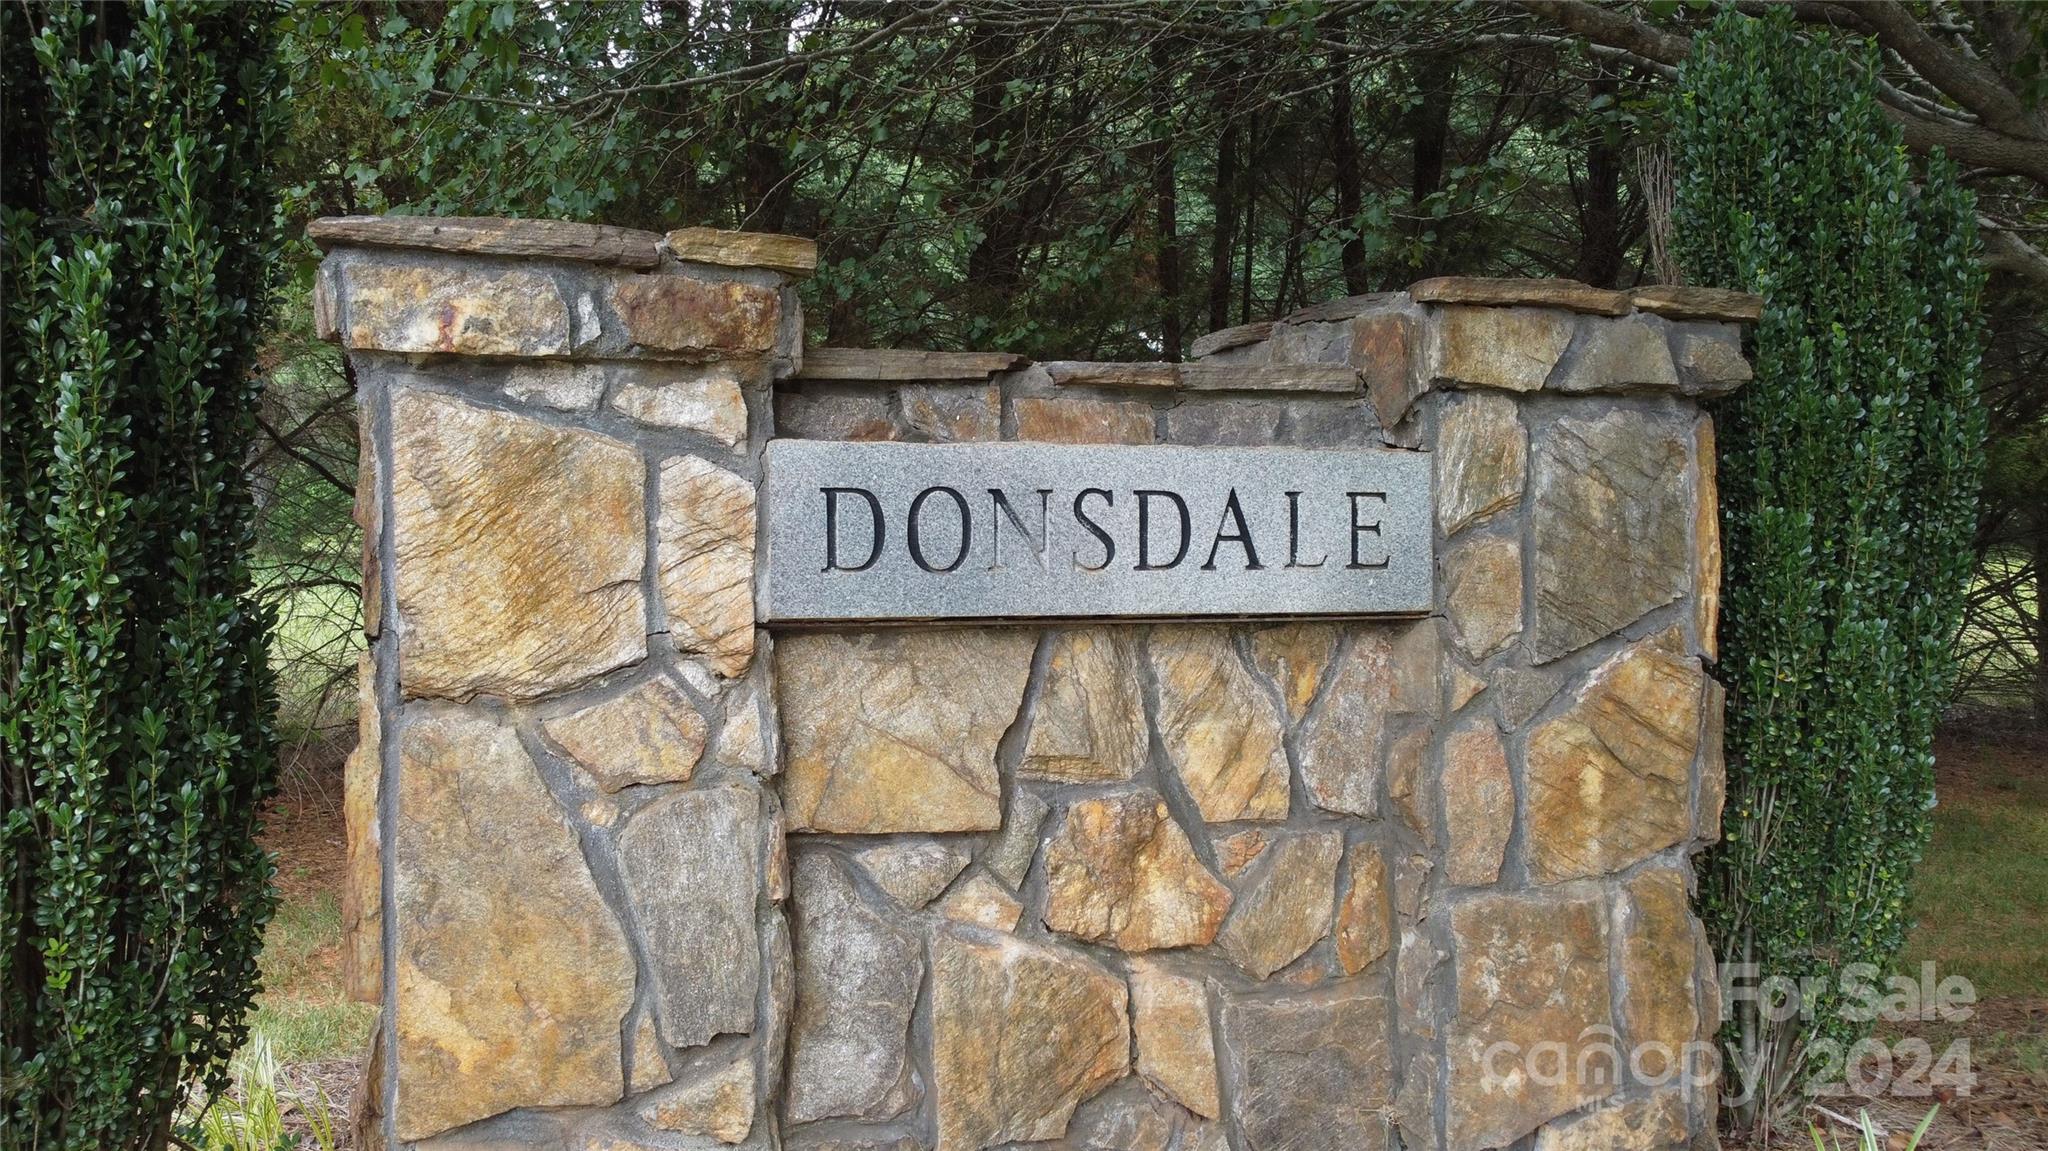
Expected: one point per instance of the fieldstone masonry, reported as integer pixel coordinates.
(628, 871)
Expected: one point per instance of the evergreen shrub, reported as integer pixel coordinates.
(139, 234)
(1849, 470)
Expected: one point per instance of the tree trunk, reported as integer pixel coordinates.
(1600, 240)
(1350, 181)
(676, 175)
(764, 166)
(1429, 126)
(1251, 233)
(995, 265)
(1165, 195)
(1290, 286)
(1223, 243)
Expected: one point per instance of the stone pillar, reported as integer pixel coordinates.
(1102, 884)
(565, 876)
(1547, 821)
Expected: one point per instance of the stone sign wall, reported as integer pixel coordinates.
(630, 869)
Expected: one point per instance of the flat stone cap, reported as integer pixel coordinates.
(883, 365)
(1224, 339)
(1200, 377)
(1570, 295)
(491, 236)
(1678, 302)
(791, 255)
(1672, 301)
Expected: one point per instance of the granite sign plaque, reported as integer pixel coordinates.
(892, 531)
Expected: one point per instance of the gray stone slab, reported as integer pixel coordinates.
(1063, 538)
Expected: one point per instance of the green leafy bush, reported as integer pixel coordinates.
(138, 234)
(1849, 473)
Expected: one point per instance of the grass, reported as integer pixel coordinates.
(1981, 898)
(1867, 1137)
(2028, 1053)
(301, 1011)
(1982, 894)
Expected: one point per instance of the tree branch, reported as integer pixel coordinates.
(1973, 144)
(1612, 28)
(293, 450)
(730, 75)
(1966, 81)
(2004, 251)
(1603, 51)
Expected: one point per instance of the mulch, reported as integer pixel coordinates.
(303, 824)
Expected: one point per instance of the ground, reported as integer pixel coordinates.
(1982, 909)
(1982, 912)
(317, 1034)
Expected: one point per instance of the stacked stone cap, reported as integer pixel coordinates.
(1201, 377)
(491, 236)
(902, 365)
(1674, 301)
(552, 289)
(792, 256)
(1517, 335)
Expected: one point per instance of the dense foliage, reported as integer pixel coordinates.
(1077, 179)
(1092, 179)
(1849, 475)
(139, 241)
